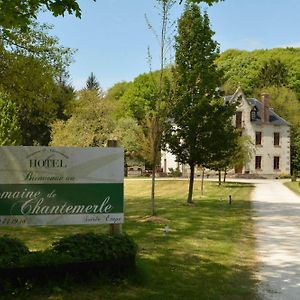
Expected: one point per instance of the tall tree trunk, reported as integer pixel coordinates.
(153, 211)
(191, 186)
(154, 159)
(220, 177)
(225, 173)
(202, 182)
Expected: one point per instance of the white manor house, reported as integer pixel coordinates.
(269, 133)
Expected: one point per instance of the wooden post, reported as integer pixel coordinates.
(230, 199)
(114, 228)
(202, 182)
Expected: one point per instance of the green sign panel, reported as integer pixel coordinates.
(54, 186)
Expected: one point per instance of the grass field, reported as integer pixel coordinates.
(208, 252)
(294, 186)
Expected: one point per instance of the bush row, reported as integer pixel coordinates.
(76, 254)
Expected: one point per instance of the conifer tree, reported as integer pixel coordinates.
(93, 85)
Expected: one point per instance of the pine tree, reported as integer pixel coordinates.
(93, 85)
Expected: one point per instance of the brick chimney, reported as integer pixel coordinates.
(265, 107)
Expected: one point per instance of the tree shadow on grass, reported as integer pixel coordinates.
(204, 254)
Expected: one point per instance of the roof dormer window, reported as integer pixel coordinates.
(253, 114)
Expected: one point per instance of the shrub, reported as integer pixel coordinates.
(174, 173)
(11, 251)
(43, 259)
(283, 176)
(95, 247)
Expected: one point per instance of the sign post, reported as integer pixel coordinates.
(61, 185)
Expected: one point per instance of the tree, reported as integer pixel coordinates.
(155, 118)
(140, 97)
(195, 110)
(33, 88)
(223, 154)
(273, 73)
(131, 137)
(295, 150)
(10, 132)
(90, 125)
(243, 68)
(20, 13)
(31, 73)
(115, 93)
(92, 84)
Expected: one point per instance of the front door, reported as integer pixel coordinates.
(238, 169)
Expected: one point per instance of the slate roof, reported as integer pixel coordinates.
(274, 119)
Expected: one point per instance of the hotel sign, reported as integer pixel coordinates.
(61, 185)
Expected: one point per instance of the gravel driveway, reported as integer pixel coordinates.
(277, 222)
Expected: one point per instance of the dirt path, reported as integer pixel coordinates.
(277, 224)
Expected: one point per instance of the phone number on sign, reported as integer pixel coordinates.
(12, 221)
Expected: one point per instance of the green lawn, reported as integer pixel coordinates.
(294, 186)
(207, 254)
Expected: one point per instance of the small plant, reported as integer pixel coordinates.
(284, 176)
(11, 250)
(174, 173)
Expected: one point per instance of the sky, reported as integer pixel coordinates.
(112, 37)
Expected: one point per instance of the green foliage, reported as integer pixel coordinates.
(174, 173)
(243, 68)
(117, 91)
(32, 65)
(240, 69)
(37, 99)
(37, 43)
(81, 247)
(140, 97)
(10, 131)
(295, 150)
(44, 258)
(90, 125)
(196, 109)
(95, 247)
(11, 251)
(284, 102)
(226, 147)
(20, 13)
(273, 73)
(132, 138)
(284, 176)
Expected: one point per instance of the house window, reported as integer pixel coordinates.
(276, 162)
(258, 138)
(238, 119)
(253, 114)
(276, 138)
(257, 162)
